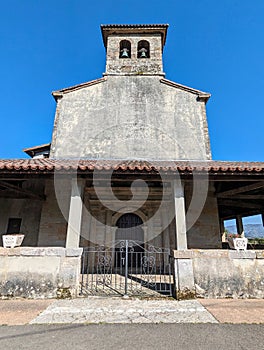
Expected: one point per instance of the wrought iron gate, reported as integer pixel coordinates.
(126, 268)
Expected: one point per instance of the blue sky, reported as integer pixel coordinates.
(215, 46)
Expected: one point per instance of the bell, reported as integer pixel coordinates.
(124, 53)
(143, 54)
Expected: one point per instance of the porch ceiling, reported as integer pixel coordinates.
(239, 185)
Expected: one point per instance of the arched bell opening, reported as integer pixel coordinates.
(143, 50)
(125, 49)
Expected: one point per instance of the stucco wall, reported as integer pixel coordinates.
(39, 272)
(29, 210)
(205, 232)
(130, 117)
(53, 221)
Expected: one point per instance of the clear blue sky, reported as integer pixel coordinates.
(215, 46)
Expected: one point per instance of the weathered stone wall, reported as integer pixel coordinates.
(134, 65)
(131, 117)
(226, 273)
(54, 215)
(39, 272)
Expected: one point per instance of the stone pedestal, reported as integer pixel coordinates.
(183, 276)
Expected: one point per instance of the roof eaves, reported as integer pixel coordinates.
(48, 165)
(32, 150)
(134, 25)
(123, 27)
(59, 93)
(45, 145)
(203, 96)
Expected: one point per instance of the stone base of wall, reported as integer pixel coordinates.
(39, 272)
(225, 273)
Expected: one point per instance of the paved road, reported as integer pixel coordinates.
(133, 336)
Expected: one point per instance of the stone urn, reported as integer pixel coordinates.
(240, 243)
(12, 240)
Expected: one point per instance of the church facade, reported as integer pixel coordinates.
(129, 159)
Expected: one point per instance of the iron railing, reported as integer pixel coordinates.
(126, 268)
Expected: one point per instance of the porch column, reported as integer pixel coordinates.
(222, 230)
(166, 234)
(239, 224)
(75, 214)
(179, 202)
(183, 266)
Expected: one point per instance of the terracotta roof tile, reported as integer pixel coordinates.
(108, 29)
(67, 165)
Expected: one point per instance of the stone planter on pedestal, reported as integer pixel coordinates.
(12, 240)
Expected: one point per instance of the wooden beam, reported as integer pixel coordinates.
(20, 190)
(247, 196)
(132, 202)
(241, 189)
(127, 189)
(234, 203)
(241, 213)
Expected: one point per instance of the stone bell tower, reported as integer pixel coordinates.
(134, 49)
(133, 112)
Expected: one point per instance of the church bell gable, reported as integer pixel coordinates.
(134, 49)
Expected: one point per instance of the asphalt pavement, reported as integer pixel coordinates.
(133, 337)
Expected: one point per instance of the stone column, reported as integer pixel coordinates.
(179, 202)
(166, 234)
(108, 227)
(75, 214)
(149, 234)
(183, 267)
(222, 230)
(239, 224)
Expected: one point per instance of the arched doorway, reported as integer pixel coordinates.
(129, 227)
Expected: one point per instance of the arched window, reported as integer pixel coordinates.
(143, 49)
(125, 49)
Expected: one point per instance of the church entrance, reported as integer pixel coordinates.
(129, 229)
(127, 266)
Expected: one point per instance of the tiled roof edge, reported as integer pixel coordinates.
(106, 29)
(48, 164)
